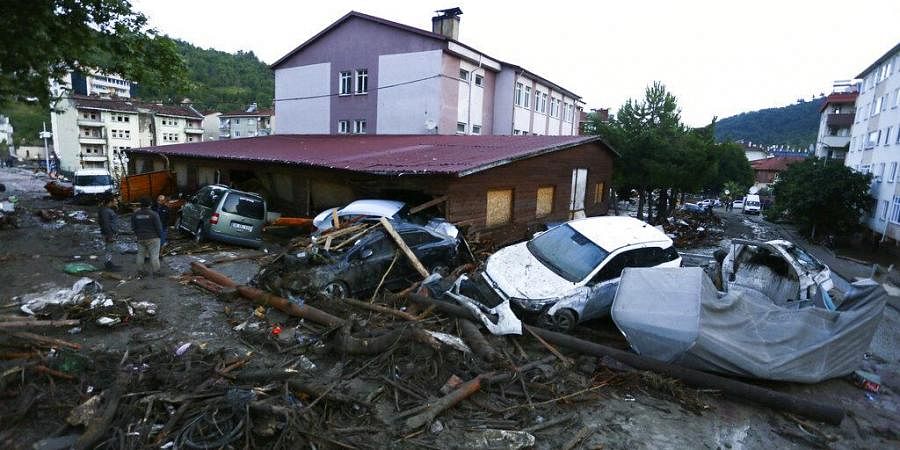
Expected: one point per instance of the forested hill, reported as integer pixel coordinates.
(219, 81)
(796, 125)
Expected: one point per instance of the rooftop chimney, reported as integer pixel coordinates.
(447, 22)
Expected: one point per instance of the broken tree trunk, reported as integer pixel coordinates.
(266, 299)
(99, 425)
(374, 345)
(461, 393)
(472, 335)
(776, 400)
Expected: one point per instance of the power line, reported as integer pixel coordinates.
(403, 83)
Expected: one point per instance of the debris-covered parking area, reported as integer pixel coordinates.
(212, 370)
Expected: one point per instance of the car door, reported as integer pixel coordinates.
(368, 262)
(189, 210)
(603, 286)
(425, 246)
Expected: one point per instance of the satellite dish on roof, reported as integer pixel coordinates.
(430, 125)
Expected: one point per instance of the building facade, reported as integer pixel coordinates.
(93, 132)
(250, 122)
(6, 137)
(838, 112)
(211, 125)
(875, 141)
(367, 75)
(78, 82)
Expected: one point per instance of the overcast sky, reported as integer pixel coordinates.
(719, 58)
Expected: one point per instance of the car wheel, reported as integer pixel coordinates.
(179, 225)
(199, 235)
(336, 290)
(563, 321)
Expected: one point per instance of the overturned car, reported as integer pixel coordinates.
(569, 273)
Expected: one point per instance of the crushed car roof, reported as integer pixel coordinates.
(612, 232)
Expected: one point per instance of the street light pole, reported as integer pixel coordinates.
(45, 135)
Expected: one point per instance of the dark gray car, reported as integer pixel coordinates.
(223, 214)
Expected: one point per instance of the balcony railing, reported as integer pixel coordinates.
(840, 120)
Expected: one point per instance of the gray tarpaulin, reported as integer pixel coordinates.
(675, 315)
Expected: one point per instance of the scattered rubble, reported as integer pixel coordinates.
(693, 229)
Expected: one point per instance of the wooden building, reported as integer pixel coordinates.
(502, 187)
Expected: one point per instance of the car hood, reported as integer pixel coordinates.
(516, 272)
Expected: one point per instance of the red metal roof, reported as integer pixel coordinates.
(262, 112)
(775, 164)
(381, 154)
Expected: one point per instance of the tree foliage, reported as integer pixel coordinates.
(795, 124)
(27, 120)
(822, 196)
(661, 154)
(218, 80)
(43, 39)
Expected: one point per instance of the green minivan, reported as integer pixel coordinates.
(224, 214)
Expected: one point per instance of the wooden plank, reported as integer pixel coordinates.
(353, 238)
(404, 248)
(428, 204)
(335, 221)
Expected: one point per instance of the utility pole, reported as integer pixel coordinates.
(45, 135)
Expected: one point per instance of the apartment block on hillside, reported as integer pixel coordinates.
(367, 75)
(249, 122)
(86, 82)
(875, 141)
(93, 132)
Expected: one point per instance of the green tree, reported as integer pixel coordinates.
(822, 196)
(733, 166)
(42, 39)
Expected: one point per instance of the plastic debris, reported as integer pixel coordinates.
(108, 321)
(182, 349)
(79, 267)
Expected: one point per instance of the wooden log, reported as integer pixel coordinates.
(472, 335)
(39, 323)
(428, 204)
(461, 393)
(24, 335)
(261, 297)
(54, 373)
(381, 309)
(374, 345)
(99, 425)
(413, 260)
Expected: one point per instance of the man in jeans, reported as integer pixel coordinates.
(109, 229)
(148, 229)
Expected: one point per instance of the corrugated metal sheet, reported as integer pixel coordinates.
(381, 154)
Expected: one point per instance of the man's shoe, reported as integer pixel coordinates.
(110, 267)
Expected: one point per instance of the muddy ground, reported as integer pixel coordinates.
(623, 410)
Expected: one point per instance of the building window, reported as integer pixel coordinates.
(884, 209)
(879, 172)
(476, 129)
(876, 106)
(479, 80)
(544, 201)
(461, 127)
(872, 139)
(518, 132)
(887, 136)
(362, 81)
(499, 207)
(237, 121)
(463, 74)
(895, 212)
(598, 193)
(892, 174)
(344, 83)
(518, 99)
(537, 101)
(343, 126)
(359, 126)
(527, 98)
(544, 103)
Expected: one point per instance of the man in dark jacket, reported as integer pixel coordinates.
(162, 210)
(148, 229)
(109, 229)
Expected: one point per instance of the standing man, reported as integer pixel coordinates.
(109, 229)
(162, 210)
(148, 229)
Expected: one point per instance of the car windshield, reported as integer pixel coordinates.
(93, 180)
(244, 206)
(567, 252)
(804, 259)
(752, 203)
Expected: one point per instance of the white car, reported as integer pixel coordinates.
(738, 204)
(570, 273)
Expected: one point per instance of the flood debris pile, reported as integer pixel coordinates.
(694, 229)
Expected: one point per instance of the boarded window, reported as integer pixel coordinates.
(544, 201)
(598, 192)
(499, 207)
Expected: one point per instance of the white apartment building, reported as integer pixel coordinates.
(249, 122)
(837, 116)
(6, 134)
(875, 141)
(79, 82)
(93, 132)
